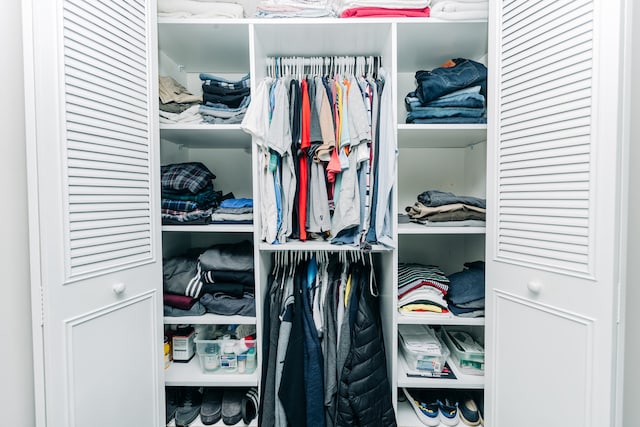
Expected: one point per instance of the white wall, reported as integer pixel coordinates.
(632, 342)
(16, 372)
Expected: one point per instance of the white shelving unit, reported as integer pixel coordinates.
(444, 157)
(439, 319)
(210, 319)
(437, 157)
(187, 48)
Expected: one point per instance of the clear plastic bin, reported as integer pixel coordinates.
(466, 352)
(423, 350)
(221, 356)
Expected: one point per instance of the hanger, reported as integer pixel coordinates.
(373, 286)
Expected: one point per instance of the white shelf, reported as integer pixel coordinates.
(198, 423)
(210, 228)
(415, 228)
(439, 319)
(190, 374)
(440, 135)
(206, 135)
(317, 245)
(210, 319)
(462, 381)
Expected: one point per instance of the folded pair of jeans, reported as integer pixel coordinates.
(440, 112)
(444, 80)
(468, 97)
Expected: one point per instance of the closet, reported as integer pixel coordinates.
(445, 157)
(544, 162)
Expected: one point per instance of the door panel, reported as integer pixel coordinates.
(529, 352)
(553, 228)
(93, 172)
(98, 366)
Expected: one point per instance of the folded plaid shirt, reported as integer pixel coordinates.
(193, 177)
(178, 216)
(179, 205)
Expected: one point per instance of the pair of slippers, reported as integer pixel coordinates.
(229, 404)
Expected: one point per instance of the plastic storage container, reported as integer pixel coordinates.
(423, 350)
(466, 352)
(221, 355)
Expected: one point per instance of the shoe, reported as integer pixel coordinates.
(190, 407)
(232, 405)
(172, 399)
(468, 410)
(211, 408)
(425, 406)
(250, 405)
(449, 411)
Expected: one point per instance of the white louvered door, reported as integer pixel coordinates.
(554, 212)
(95, 234)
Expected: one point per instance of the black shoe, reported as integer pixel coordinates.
(232, 406)
(250, 405)
(211, 409)
(190, 407)
(172, 401)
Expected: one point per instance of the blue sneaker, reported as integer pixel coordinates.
(468, 410)
(449, 415)
(425, 406)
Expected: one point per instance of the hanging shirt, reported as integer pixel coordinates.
(387, 166)
(327, 128)
(256, 122)
(305, 143)
(279, 140)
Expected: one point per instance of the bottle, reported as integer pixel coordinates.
(228, 358)
(167, 352)
(211, 358)
(242, 363)
(251, 360)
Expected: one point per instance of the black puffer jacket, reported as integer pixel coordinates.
(364, 392)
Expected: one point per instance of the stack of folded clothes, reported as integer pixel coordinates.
(294, 9)
(460, 10)
(435, 208)
(182, 285)
(452, 93)
(228, 284)
(466, 290)
(177, 104)
(384, 8)
(234, 211)
(199, 9)
(187, 193)
(219, 280)
(224, 101)
(421, 289)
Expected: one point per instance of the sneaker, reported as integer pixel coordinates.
(211, 409)
(468, 410)
(250, 405)
(190, 407)
(449, 411)
(425, 406)
(172, 399)
(232, 406)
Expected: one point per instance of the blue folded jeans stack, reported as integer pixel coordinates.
(452, 93)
